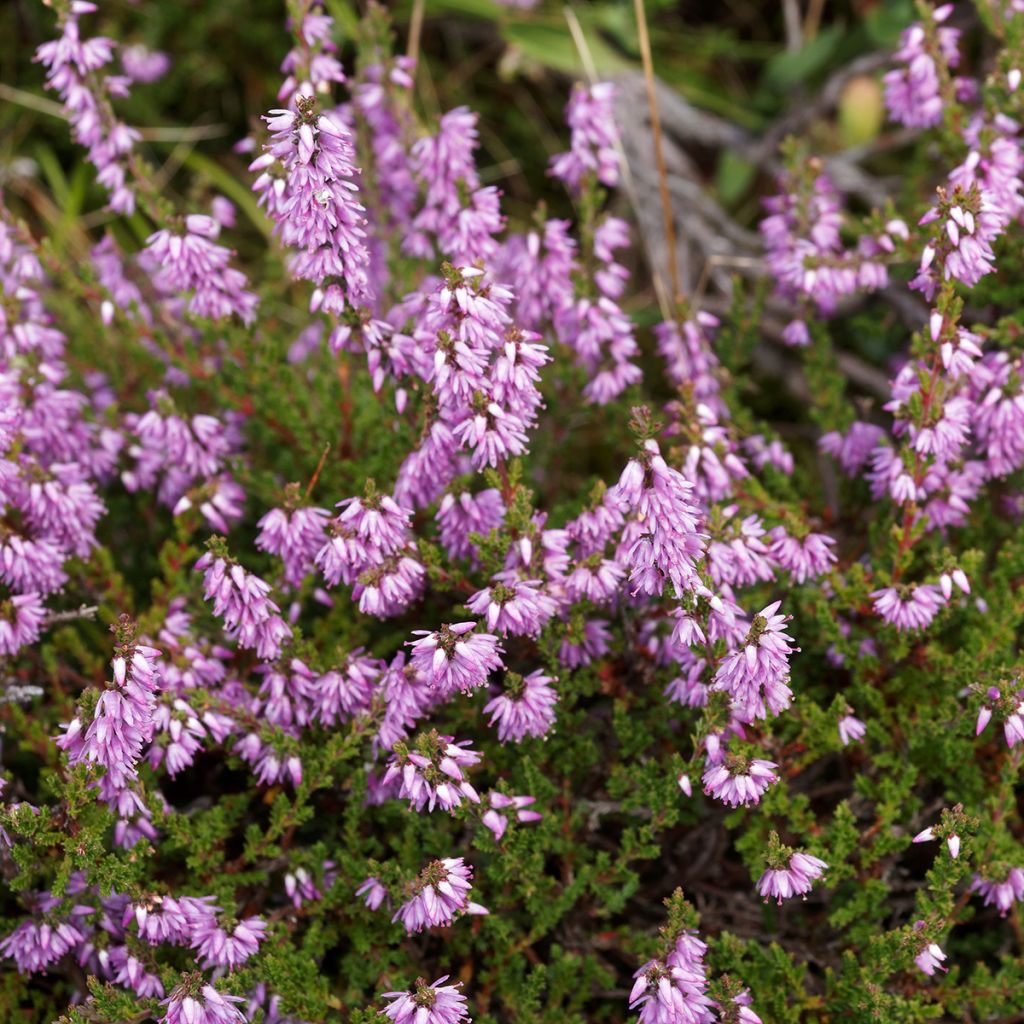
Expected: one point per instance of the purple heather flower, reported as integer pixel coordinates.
(803, 559)
(455, 657)
(73, 65)
(594, 643)
(909, 606)
(299, 887)
(389, 588)
(526, 708)
(501, 806)
(756, 676)
(348, 689)
(306, 183)
(439, 894)
(143, 65)
(194, 1002)
(853, 448)
(659, 496)
(851, 730)
(295, 536)
(796, 878)
(431, 772)
(193, 262)
(240, 598)
(514, 606)
(21, 621)
(435, 1003)
(35, 944)
(591, 118)
(739, 779)
(170, 919)
(230, 945)
(913, 91)
(460, 515)
(373, 892)
(1001, 894)
(674, 990)
(930, 957)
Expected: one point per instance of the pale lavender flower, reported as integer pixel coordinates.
(913, 91)
(192, 262)
(460, 515)
(143, 65)
(851, 730)
(241, 600)
(757, 675)
(674, 990)
(930, 956)
(805, 558)
(373, 892)
(671, 542)
(307, 184)
(21, 622)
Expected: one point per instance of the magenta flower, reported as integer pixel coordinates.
(435, 1003)
(526, 708)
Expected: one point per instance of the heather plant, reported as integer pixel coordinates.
(396, 624)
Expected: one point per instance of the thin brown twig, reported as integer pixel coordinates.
(412, 49)
(659, 153)
(316, 472)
